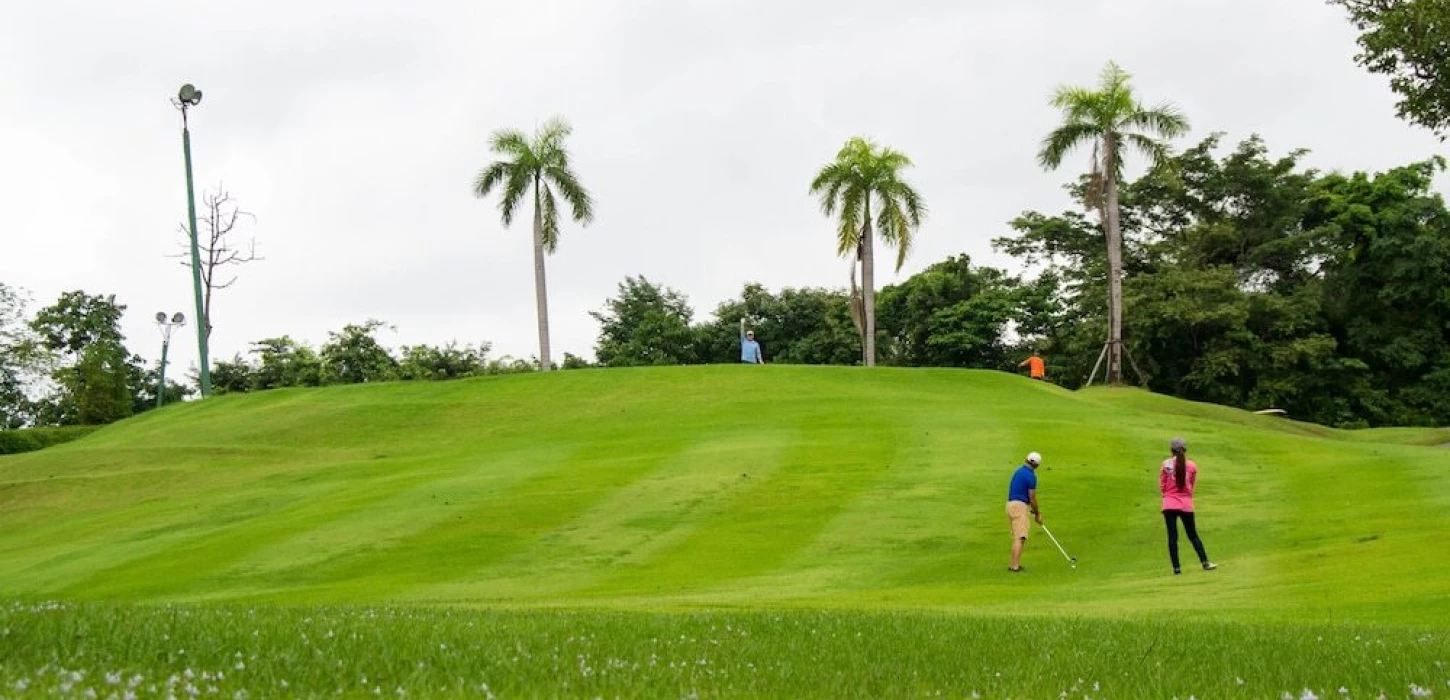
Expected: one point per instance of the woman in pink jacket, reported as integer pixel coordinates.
(1176, 480)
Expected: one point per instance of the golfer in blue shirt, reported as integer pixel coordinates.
(1022, 497)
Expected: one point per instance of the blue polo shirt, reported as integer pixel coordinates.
(1023, 480)
(750, 351)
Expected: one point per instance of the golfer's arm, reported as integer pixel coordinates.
(1032, 496)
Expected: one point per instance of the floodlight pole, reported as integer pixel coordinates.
(191, 98)
(161, 380)
(166, 325)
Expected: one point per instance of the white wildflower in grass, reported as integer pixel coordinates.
(90, 694)
(1287, 696)
(240, 666)
(21, 685)
(113, 678)
(1238, 681)
(1343, 690)
(1308, 694)
(1420, 691)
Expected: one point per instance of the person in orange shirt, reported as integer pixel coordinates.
(1035, 366)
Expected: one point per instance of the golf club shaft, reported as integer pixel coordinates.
(1055, 542)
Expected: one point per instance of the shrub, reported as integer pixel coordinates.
(32, 439)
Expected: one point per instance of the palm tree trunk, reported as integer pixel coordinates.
(1115, 265)
(868, 289)
(541, 293)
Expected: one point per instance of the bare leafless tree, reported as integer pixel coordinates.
(215, 223)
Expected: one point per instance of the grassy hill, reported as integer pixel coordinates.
(678, 488)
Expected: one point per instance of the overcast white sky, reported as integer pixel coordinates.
(353, 131)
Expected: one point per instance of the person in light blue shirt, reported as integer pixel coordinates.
(749, 349)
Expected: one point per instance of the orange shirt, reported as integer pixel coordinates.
(1035, 366)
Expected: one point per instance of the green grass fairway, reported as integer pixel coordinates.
(636, 499)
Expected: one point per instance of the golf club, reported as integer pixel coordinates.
(1072, 561)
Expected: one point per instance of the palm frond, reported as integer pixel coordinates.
(513, 192)
(895, 227)
(551, 136)
(828, 183)
(910, 199)
(891, 160)
(1064, 139)
(1113, 79)
(1156, 151)
(1163, 120)
(857, 149)
(848, 233)
(510, 142)
(489, 177)
(580, 203)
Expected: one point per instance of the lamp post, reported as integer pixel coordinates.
(186, 98)
(166, 324)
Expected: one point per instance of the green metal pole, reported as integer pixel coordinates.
(161, 382)
(201, 323)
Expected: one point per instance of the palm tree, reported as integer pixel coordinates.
(541, 163)
(1111, 119)
(866, 177)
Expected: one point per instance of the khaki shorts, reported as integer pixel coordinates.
(1017, 515)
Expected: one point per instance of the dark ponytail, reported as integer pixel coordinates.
(1180, 469)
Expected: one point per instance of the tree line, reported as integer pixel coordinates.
(1250, 281)
(68, 364)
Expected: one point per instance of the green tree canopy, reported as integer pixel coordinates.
(645, 324)
(354, 356)
(1409, 41)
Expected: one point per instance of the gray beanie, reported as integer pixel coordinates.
(1178, 445)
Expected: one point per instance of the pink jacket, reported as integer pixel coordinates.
(1174, 499)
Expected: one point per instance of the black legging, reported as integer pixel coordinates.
(1170, 517)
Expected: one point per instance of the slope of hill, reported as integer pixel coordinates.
(725, 486)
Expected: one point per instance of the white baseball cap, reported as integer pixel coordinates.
(1034, 459)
